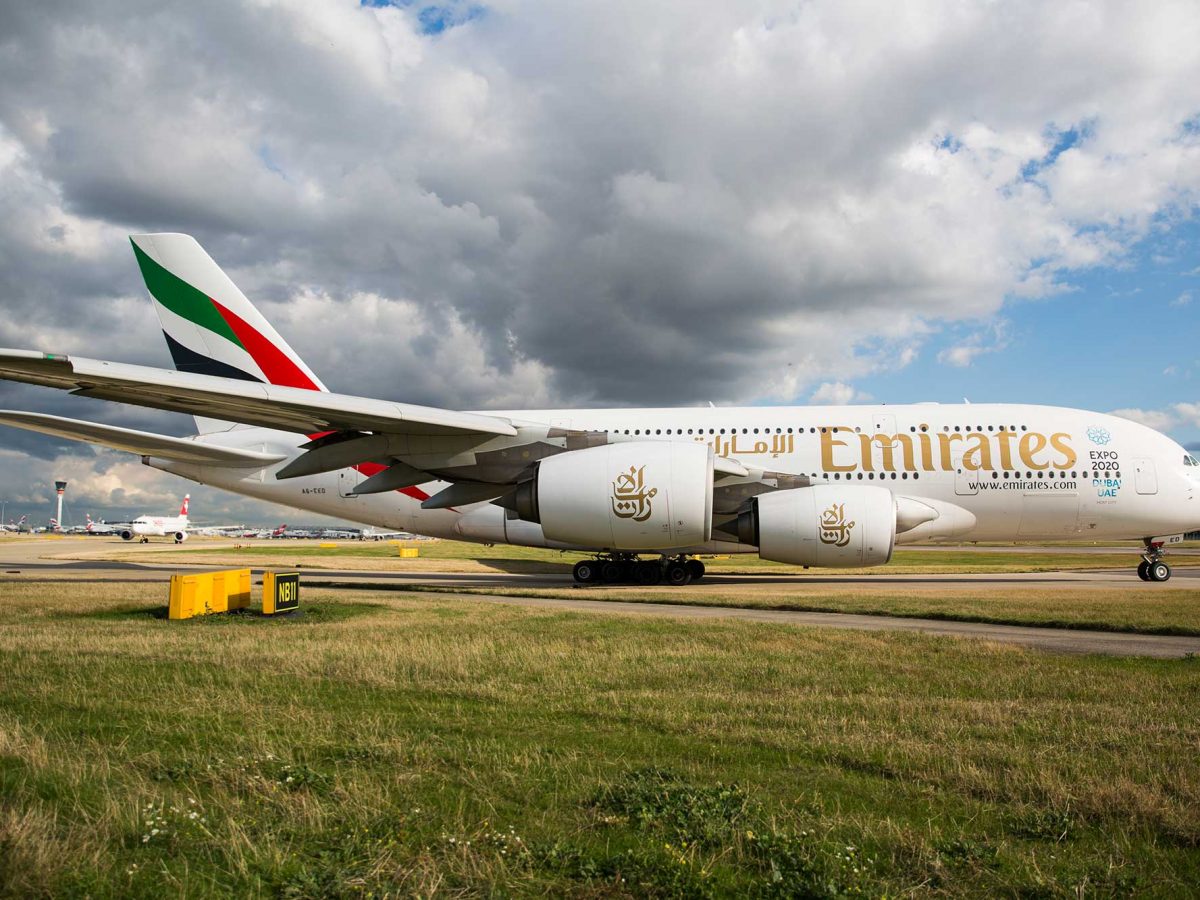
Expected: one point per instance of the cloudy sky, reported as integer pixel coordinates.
(527, 203)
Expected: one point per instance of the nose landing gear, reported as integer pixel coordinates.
(1152, 567)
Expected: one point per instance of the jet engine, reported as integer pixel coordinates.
(180, 537)
(823, 525)
(126, 534)
(637, 495)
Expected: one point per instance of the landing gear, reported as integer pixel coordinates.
(623, 567)
(677, 574)
(587, 571)
(1152, 567)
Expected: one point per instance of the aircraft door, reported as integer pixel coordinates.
(347, 481)
(1145, 478)
(965, 480)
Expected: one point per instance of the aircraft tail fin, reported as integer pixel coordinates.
(211, 328)
(183, 510)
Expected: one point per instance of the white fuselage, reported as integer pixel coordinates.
(1024, 472)
(161, 526)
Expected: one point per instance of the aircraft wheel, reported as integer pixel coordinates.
(1144, 570)
(1159, 571)
(677, 574)
(586, 571)
(649, 572)
(611, 572)
(696, 568)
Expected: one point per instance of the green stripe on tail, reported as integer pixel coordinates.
(181, 298)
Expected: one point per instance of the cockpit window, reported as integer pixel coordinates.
(1189, 460)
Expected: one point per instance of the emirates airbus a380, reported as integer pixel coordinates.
(643, 490)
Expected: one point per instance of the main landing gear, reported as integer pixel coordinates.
(618, 568)
(1152, 567)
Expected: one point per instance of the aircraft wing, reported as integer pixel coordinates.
(234, 400)
(144, 443)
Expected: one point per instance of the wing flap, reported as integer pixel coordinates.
(143, 443)
(234, 400)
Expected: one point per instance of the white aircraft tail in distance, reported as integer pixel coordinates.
(644, 490)
(101, 527)
(145, 527)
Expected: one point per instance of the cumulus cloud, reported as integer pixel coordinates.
(1158, 419)
(837, 393)
(990, 340)
(1173, 416)
(535, 203)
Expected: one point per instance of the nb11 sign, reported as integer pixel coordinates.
(281, 592)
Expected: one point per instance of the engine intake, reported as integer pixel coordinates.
(637, 495)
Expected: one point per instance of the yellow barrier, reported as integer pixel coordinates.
(410, 552)
(328, 546)
(208, 592)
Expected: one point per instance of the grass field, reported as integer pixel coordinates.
(1170, 608)
(1156, 610)
(401, 745)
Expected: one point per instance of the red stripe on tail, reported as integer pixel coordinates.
(278, 368)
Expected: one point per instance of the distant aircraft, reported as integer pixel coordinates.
(146, 527)
(370, 534)
(16, 526)
(100, 527)
(644, 491)
(276, 532)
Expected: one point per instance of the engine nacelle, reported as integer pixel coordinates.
(180, 537)
(126, 535)
(823, 525)
(638, 495)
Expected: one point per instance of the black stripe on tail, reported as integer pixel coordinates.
(190, 361)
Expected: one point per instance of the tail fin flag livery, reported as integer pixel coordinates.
(210, 326)
(183, 509)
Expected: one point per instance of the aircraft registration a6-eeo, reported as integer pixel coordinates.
(643, 490)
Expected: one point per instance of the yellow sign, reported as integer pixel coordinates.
(835, 529)
(208, 592)
(409, 552)
(630, 498)
(281, 592)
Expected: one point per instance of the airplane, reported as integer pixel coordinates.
(642, 491)
(100, 527)
(277, 532)
(146, 527)
(17, 526)
(372, 534)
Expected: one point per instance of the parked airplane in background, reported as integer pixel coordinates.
(371, 534)
(16, 526)
(146, 527)
(813, 486)
(100, 527)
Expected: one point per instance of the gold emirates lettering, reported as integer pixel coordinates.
(978, 451)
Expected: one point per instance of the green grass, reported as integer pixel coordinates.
(1143, 609)
(392, 745)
